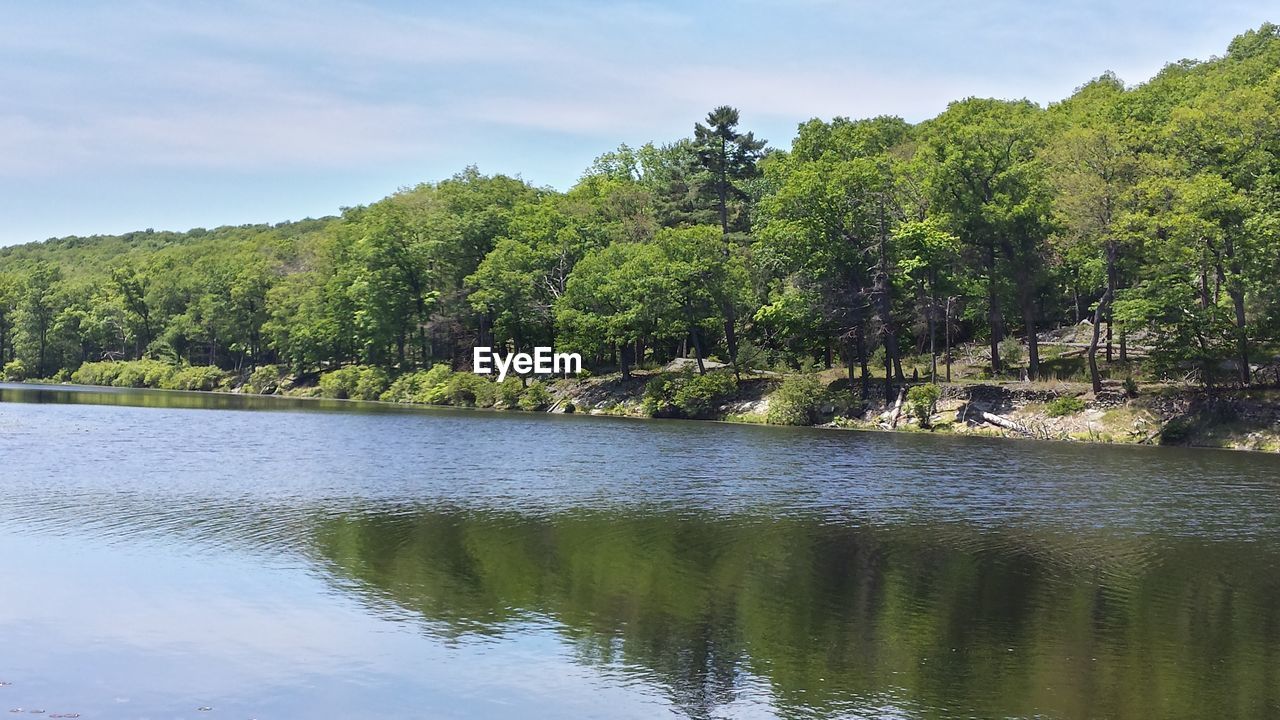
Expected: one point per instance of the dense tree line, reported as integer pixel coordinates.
(1152, 211)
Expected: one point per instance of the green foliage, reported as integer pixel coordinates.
(265, 379)
(96, 373)
(355, 382)
(1178, 430)
(798, 401)
(688, 394)
(1065, 405)
(427, 387)
(922, 401)
(509, 392)
(15, 371)
(465, 389)
(442, 386)
(1155, 206)
(1011, 352)
(196, 377)
(127, 374)
(535, 397)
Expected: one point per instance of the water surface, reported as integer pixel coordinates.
(164, 552)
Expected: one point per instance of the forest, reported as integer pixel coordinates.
(1151, 212)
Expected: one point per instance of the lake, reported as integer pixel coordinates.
(185, 555)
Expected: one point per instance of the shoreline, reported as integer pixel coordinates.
(1196, 415)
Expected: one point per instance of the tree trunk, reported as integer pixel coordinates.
(933, 350)
(1236, 293)
(697, 348)
(850, 354)
(993, 311)
(946, 337)
(1027, 301)
(1094, 377)
(731, 340)
(861, 341)
(1033, 339)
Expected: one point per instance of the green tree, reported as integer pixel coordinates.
(987, 183)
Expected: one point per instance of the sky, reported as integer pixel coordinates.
(143, 114)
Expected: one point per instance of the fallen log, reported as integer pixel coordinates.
(897, 409)
(1004, 422)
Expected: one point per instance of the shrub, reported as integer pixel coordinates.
(509, 392)
(466, 389)
(659, 398)
(406, 388)
(371, 383)
(535, 397)
(796, 402)
(199, 377)
(155, 373)
(921, 402)
(143, 374)
(1066, 405)
(1177, 431)
(15, 371)
(130, 374)
(1010, 353)
(96, 373)
(265, 379)
(687, 394)
(340, 383)
(700, 396)
(1131, 387)
(442, 386)
(355, 382)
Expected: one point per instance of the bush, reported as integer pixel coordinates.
(129, 374)
(406, 388)
(442, 386)
(687, 394)
(466, 389)
(1062, 406)
(199, 377)
(15, 371)
(371, 383)
(796, 402)
(1010, 353)
(659, 398)
(96, 373)
(509, 392)
(700, 396)
(265, 379)
(143, 374)
(355, 382)
(1178, 430)
(423, 386)
(1131, 387)
(922, 400)
(535, 397)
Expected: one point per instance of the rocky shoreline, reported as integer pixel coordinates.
(1154, 415)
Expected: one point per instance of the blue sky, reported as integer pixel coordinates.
(132, 114)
